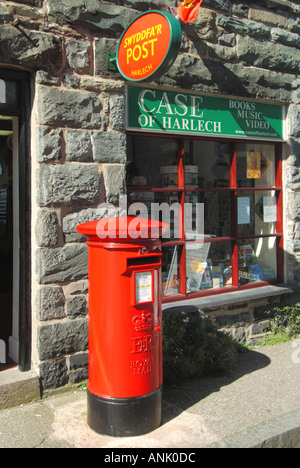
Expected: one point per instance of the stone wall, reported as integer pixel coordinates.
(78, 143)
(247, 321)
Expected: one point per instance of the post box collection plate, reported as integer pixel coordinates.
(143, 287)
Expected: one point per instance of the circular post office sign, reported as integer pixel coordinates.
(149, 46)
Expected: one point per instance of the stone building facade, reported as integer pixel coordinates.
(76, 150)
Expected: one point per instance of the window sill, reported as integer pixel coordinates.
(232, 297)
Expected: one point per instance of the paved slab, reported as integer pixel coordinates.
(257, 404)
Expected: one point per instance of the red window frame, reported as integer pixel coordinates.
(234, 191)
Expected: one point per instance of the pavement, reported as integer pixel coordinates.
(256, 405)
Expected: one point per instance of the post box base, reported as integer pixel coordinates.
(125, 417)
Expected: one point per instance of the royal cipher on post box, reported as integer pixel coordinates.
(125, 335)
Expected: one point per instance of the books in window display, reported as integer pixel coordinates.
(197, 266)
(268, 273)
(246, 254)
(256, 272)
(217, 277)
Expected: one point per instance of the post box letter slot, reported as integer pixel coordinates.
(141, 261)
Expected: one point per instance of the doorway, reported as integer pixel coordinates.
(15, 221)
(6, 233)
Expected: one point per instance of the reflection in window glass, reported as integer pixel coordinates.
(208, 162)
(208, 266)
(257, 213)
(8, 94)
(160, 206)
(257, 260)
(217, 212)
(256, 165)
(152, 163)
(170, 270)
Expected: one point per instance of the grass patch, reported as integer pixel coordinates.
(284, 325)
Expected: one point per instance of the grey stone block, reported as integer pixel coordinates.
(95, 16)
(43, 185)
(58, 339)
(62, 264)
(294, 159)
(293, 121)
(109, 147)
(46, 228)
(222, 5)
(68, 108)
(117, 112)
(53, 374)
(78, 145)
(268, 55)
(114, 180)
(79, 360)
(73, 219)
(35, 50)
(244, 27)
(67, 184)
(5, 16)
(78, 55)
(51, 303)
(102, 47)
(48, 144)
(76, 183)
(285, 37)
(76, 306)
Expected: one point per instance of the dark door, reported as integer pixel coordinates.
(6, 228)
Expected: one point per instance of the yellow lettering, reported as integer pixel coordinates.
(145, 50)
(137, 56)
(129, 54)
(128, 41)
(152, 45)
(158, 28)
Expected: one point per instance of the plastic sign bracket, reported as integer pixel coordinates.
(112, 61)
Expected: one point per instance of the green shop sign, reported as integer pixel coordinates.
(159, 110)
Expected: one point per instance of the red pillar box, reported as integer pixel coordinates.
(125, 336)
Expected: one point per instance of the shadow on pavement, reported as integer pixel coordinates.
(180, 397)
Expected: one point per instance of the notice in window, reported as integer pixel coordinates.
(253, 165)
(270, 210)
(143, 287)
(244, 210)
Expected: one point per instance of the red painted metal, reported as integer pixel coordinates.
(125, 336)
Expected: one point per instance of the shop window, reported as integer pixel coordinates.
(217, 212)
(257, 260)
(208, 266)
(255, 165)
(238, 189)
(210, 161)
(257, 213)
(171, 270)
(8, 94)
(148, 160)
